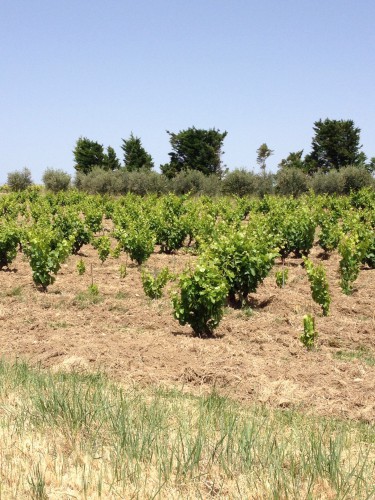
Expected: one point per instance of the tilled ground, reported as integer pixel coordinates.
(255, 356)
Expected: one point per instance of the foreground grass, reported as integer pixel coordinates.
(362, 354)
(81, 436)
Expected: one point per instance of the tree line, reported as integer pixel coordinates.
(192, 149)
(336, 144)
(336, 163)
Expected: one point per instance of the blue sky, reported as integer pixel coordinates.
(264, 71)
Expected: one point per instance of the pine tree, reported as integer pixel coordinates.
(110, 161)
(195, 149)
(336, 144)
(263, 152)
(87, 155)
(135, 156)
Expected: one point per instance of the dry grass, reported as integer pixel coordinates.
(81, 436)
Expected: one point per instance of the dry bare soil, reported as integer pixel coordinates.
(256, 356)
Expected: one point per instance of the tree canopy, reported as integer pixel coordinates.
(110, 160)
(336, 144)
(195, 149)
(293, 160)
(135, 155)
(87, 155)
(263, 153)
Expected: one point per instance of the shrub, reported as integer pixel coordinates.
(118, 182)
(201, 300)
(81, 267)
(96, 181)
(9, 241)
(281, 277)
(123, 271)
(240, 183)
(265, 184)
(293, 231)
(244, 262)
(188, 181)
(100, 181)
(56, 180)
(137, 240)
(369, 254)
(364, 235)
(309, 333)
(93, 218)
(212, 185)
(291, 181)
(330, 234)
(171, 228)
(153, 283)
(71, 225)
(144, 182)
(364, 198)
(19, 180)
(355, 178)
(328, 183)
(349, 263)
(343, 181)
(103, 245)
(319, 285)
(46, 252)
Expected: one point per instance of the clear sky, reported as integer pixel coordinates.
(262, 70)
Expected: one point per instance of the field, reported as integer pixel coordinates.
(256, 354)
(254, 357)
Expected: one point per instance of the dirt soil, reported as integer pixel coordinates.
(255, 357)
